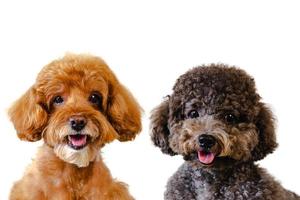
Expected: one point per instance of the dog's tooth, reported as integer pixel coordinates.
(69, 137)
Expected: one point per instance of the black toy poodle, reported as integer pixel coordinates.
(216, 120)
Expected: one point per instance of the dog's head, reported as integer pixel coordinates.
(76, 105)
(214, 116)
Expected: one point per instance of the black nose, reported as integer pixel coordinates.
(206, 141)
(77, 123)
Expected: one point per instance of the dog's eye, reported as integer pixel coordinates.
(58, 100)
(96, 99)
(193, 114)
(230, 118)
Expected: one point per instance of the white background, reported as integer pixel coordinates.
(148, 44)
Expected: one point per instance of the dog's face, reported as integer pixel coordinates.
(214, 116)
(76, 105)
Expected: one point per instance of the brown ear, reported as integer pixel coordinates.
(266, 130)
(159, 127)
(28, 117)
(124, 113)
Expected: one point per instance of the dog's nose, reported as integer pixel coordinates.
(77, 123)
(206, 141)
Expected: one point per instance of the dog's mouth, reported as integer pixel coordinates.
(78, 141)
(206, 157)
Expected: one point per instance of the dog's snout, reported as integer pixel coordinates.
(206, 141)
(77, 123)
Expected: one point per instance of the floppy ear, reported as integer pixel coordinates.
(124, 113)
(266, 130)
(28, 117)
(159, 127)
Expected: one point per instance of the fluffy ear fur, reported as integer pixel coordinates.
(124, 113)
(159, 127)
(267, 138)
(28, 117)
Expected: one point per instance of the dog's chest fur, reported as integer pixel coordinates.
(249, 182)
(218, 185)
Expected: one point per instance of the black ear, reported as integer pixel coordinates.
(159, 127)
(266, 130)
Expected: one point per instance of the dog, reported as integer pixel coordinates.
(76, 106)
(216, 120)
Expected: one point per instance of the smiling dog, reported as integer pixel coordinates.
(216, 120)
(76, 106)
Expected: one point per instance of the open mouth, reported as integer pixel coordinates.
(78, 141)
(206, 157)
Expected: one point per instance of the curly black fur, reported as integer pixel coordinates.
(213, 93)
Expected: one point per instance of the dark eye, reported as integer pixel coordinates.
(58, 100)
(230, 118)
(193, 114)
(95, 99)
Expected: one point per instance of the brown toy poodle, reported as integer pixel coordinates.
(216, 120)
(76, 106)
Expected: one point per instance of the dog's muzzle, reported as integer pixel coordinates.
(206, 143)
(77, 140)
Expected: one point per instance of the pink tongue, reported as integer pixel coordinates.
(206, 157)
(78, 140)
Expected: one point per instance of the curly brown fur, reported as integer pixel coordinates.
(215, 119)
(77, 105)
